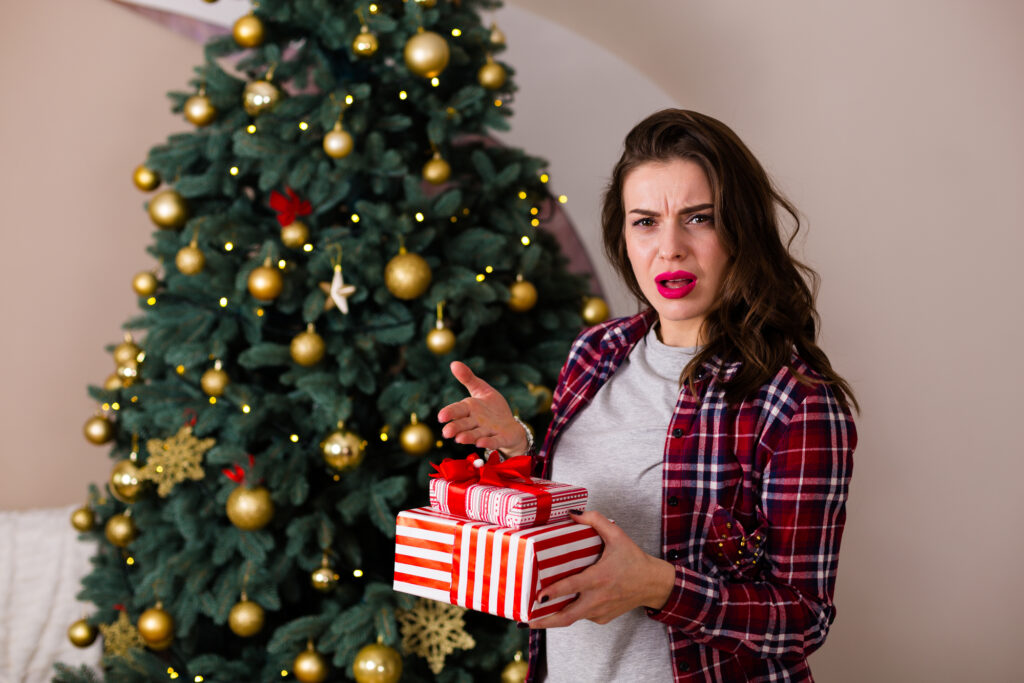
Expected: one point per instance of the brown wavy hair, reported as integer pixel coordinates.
(766, 305)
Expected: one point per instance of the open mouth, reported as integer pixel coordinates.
(676, 284)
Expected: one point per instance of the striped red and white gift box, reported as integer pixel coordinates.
(508, 507)
(486, 567)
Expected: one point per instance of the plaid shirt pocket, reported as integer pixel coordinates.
(737, 554)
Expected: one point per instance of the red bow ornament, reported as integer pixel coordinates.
(513, 473)
(290, 207)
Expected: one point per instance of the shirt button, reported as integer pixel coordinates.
(683, 666)
(672, 555)
(677, 432)
(673, 501)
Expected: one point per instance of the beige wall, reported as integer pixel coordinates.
(894, 126)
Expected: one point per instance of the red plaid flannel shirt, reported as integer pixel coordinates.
(753, 506)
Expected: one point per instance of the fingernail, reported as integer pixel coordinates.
(544, 599)
(575, 512)
(522, 624)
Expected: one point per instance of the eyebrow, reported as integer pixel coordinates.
(685, 210)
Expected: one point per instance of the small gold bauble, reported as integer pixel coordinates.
(342, 449)
(168, 210)
(365, 43)
(491, 75)
(437, 171)
(307, 348)
(82, 633)
(250, 509)
(260, 96)
(595, 310)
(407, 275)
(98, 430)
(145, 178)
(426, 54)
(497, 37)
(295, 234)
(125, 483)
(126, 352)
(246, 618)
(265, 282)
(426, 3)
(416, 438)
(543, 396)
(156, 626)
(120, 530)
(515, 671)
(324, 579)
(190, 260)
(128, 372)
(214, 381)
(248, 31)
(83, 519)
(199, 110)
(338, 142)
(144, 283)
(112, 382)
(310, 667)
(377, 663)
(522, 296)
(440, 341)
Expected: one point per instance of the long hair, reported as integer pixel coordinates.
(766, 305)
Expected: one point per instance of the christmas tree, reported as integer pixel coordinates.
(337, 228)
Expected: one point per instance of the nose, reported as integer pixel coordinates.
(672, 244)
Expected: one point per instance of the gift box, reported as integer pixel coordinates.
(487, 567)
(502, 492)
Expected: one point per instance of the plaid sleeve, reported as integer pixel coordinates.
(787, 609)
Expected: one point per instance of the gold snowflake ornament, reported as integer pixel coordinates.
(172, 461)
(433, 630)
(121, 637)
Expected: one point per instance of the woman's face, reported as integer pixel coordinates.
(673, 246)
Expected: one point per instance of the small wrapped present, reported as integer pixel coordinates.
(501, 492)
(486, 567)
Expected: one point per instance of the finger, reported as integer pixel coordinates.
(605, 527)
(473, 435)
(453, 411)
(474, 385)
(457, 426)
(566, 616)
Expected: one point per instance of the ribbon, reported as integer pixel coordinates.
(235, 473)
(513, 473)
(290, 207)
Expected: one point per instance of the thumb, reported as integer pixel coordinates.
(601, 524)
(474, 385)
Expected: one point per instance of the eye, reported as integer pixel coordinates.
(701, 219)
(646, 222)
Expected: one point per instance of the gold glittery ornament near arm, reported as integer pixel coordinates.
(172, 461)
(121, 637)
(433, 630)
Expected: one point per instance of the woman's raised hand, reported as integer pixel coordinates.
(484, 419)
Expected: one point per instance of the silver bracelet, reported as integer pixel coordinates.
(529, 439)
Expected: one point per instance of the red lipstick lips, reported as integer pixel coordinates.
(676, 284)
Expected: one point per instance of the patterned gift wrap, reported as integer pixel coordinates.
(504, 506)
(486, 567)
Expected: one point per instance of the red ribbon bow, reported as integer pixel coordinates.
(513, 473)
(235, 473)
(290, 207)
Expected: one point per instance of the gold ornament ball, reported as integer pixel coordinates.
(156, 626)
(214, 381)
(81, 633)
(83, 519)
(365, 43)
(342, 449)
(440, 341)
(595, 310)
(491, 75)
(407, 275)
(426, 54)
(250, 509)
(168, 210)
(324, 579)
(497, 36)
(310, 667)
(144, 283)
(125, 483)
(260, 96)
(377, 663)
(522, 296)
(437, 171)
(126, 352)
(98, 430)
(338, 143)
(199, 110)
(543, 396)
(246, 618)
(190, 260)
(416, 438)
(120, 530)
(265, 282)
(145, 178)
(307, 348)
(248, 31)
(514, 671)
(128, 372)
(295, 234)
(112, 382)
(426, 3)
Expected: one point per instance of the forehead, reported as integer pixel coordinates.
(674, 180)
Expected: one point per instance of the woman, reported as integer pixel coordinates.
(710, 427)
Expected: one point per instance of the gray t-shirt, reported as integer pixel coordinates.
(615, 447)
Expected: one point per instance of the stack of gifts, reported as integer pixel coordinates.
(493, 538)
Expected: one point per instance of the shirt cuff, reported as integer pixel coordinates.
(692, 598)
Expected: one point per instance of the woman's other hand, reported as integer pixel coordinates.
(623, 579)
(484, 419)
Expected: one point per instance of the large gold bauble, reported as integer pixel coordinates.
(307, 348)
(81, 633)
(440, 341)
(98, 430)
(120, 530)
(407, 275)
(543, 395)
(265, 282)
(324, 579)
(214, 381)
(515, 671)
(199, 110)
(246, 618)
(83, 519)
(295, 234)
(522, 296)
(492, 75)
(250, 509)
(416, 438)
(156, 626)
(594, 311)
(437, 171)
(377, 663)
(145, 178)
(343, 449)
(125, 483)
(338, 142)
(260, 96)
(190, 260)
(144, 283)
(248, 31)
(310, 667)
(426, 54)
(365, 44)
(168, 210)
(126, 352)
